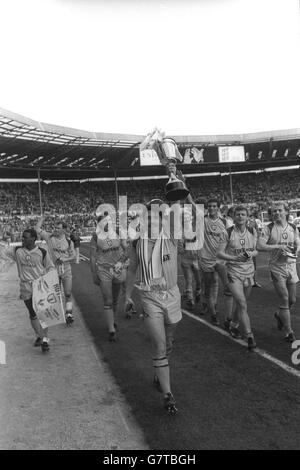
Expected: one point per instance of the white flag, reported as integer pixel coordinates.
(197, 154)
(47, 300)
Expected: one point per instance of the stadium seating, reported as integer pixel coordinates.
(76, 202)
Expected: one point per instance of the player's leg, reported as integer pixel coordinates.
(106, 288)
(240, 295)
(67, 286)
(291, 287)
(292, 281)
(188, 276)
(116, 290)
(157, 333)
(187, 281)
(170, 329)
(229, 308)
(281, 289)
(207, 279)
(162, 312)
(197, 276)
(213, 297)
(256, 284)
(42, 338)
(156, 330)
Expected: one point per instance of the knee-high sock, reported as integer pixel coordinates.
(162, 371)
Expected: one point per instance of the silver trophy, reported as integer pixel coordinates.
(168, 154)
(175, 188)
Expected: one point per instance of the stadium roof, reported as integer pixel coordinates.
(30, 145)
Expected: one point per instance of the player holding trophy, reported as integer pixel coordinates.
(156, 256)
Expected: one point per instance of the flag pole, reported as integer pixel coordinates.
(230, 180)
(40, 191)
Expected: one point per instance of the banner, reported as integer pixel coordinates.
(47, 300)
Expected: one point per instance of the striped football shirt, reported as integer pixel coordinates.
(169, 261)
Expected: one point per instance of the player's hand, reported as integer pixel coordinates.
(249, 256)
(118, 267)
(180, 175)
(241, 258)
(285, 250)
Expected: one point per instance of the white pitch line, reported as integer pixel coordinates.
(258, 351)
(123, 419)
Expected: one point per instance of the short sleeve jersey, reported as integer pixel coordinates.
(59, 248)
(238, 243)
(108, 250)
(31, 264)
(276, 234)
(169, 260)
(214, 234)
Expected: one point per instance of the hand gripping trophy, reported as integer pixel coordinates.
(168, 154)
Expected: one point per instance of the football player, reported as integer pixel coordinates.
(281, 239)
(238, 250)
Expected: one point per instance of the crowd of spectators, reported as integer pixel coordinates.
(76, 202)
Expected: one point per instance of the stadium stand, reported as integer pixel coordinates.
(76, 202)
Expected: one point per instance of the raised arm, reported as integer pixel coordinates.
(93, 251)
(39, 224)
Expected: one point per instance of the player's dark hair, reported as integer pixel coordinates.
(214, 200)
(32, 232)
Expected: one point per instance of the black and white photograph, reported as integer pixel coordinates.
(149, 228)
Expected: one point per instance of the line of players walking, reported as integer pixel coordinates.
(228, 254)
(33, 261)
